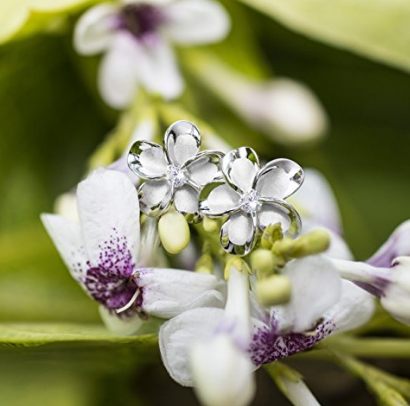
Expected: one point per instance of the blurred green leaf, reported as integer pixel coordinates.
(378, 29)
(22, 17)
(31, 334)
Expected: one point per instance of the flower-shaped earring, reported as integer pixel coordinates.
(253, 198)
(176, 174)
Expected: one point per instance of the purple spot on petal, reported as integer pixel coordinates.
(111, 282)
(140, 20)
(268, 346)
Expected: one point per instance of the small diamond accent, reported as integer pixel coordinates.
(176, 175)
(250, 201)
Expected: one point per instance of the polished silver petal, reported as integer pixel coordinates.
(240, 167)
(186, 202)
(205, 168)
(273, 211)
(279, 179)
(238, 234)
(182, 141)
(155, 197)
(218, 199)
(147, 160)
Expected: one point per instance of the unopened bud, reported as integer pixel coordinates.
(210, 226)
(271, 234)
(312, 243)
(263, 262)
(174, 232)
(274, 290)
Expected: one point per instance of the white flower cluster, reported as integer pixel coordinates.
(219, 330)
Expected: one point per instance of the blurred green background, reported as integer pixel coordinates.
(50, 122)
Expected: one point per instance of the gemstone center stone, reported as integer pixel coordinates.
(249, 201)
(176, 175)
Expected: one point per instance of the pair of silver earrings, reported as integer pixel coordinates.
(212, 184)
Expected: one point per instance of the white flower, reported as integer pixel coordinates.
(253, 197)
(175, 174)
(208, 349)
(136, 37)
(321, 305)
(391, 285)
(103, 254)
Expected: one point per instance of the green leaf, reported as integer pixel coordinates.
(28, 16)
(33, 334)
(378, 29)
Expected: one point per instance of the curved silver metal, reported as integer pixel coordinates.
(134, 159)
(204, 206)
(154, 209)
(292, 169)
(231, 157)
(176, 130)
(235, 249)
(286, 209)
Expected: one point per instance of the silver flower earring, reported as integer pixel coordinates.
(176, 173)
(252, 198)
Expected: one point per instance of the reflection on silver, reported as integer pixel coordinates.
(177, 168)
(262, 203)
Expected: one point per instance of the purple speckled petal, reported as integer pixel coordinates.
(268, 345)
(109, 214)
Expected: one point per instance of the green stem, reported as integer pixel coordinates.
(370, 347)
(388, 388)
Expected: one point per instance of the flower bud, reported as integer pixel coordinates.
(312, 243)
(263, 262)
(274, 290)
(174, 232)
(210, 226)
(66, 206)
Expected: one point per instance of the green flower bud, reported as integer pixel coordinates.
(312, 243)
(274, 290)
(263, 262)
(174, 232)
(271, 234)
(210, 226)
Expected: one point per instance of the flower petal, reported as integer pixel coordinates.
(147, 160)
(186, 202)
(119, 72)
(109, 213)
(222, 373)
(354, 308)
(218, 199)
(205, 168)
(169, 292)
(238, 234)
(95, 29)
(121, 325)
(240, 167)
(196, 22)
(155, 197)
(316, 202)
(159, 71)
(182, 141)
(316, 287)
(278, 211)
(396, 246)
(279, 179)
(177, 336)
(68, 240)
